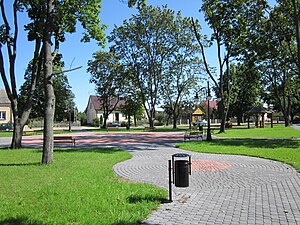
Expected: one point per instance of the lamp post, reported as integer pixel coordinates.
(208, 98)
(208, 135)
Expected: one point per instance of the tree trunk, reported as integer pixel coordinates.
(49, 90)
(223, 117)
(16, 141)
(128, 125)
(174, 121)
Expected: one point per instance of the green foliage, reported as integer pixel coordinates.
(64, 95)
(148, 45)
(106, 73)
(80, 188)
(67, 14)
(245, 88)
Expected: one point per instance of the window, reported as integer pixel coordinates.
(2, 115)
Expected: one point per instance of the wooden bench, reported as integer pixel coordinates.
(193, 134)
(112, 128)
(64, 139)
(149, 128)
(29, 132)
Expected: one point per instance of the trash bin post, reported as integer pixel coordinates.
(170, 181)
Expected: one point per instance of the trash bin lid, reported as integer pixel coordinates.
(181, 155)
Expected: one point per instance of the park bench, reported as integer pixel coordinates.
(64, 139)
(193, 134)
(112, 128)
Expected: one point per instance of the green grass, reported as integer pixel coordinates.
(6, 133)
(142, 129)
(78, 188)
(240, 142)
(278, 131)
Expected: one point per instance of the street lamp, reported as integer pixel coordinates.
(208, 98)
(208, 135)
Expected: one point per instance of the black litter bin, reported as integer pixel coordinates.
(182, 170)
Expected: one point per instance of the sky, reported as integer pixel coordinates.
(75, 53)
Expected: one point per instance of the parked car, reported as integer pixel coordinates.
(113, 125)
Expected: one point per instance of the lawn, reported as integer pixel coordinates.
(278, 131)
(238, 141)
(78, 188)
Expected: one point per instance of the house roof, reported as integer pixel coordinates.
(96, 101)
(3, 97)
(198, 111)
(258, 110)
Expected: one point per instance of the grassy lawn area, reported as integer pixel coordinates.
(278, 131)
(78, 188)
(287, 151)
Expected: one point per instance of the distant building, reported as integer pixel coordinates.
(94, 110)
(5, 108)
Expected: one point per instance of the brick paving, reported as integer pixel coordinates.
(224, 189)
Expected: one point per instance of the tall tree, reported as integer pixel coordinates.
(9, 33)
(183, 70)
(234, 25)
(106, 74)
(278, 59)
(246, 89)
(146, 43)
(63, 93)
(49, 21)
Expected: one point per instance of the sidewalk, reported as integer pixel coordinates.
(224, 189)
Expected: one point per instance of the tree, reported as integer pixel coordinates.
(8, 37)
(278, 61)
(246, 89)
(63, 93)
(234, 25)
(145, 44)
(132, 107)
(183, 70)
(106, 74)
(49, 21)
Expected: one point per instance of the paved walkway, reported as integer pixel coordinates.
(224, 189)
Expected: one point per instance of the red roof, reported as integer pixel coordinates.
(96, 101)
(213, 104)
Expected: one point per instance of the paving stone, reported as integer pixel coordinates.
(250, 191)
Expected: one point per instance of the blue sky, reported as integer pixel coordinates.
(76, 53)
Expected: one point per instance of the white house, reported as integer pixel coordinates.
(5, 108)
(94, 110)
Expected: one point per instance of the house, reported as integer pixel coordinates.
(94, 110)
(5, 108)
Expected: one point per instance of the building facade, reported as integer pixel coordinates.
(5, 108)
(94, 111)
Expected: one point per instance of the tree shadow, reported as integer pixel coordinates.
(258, 143)
(20, 221)
(88, 150)
(149, 198)
(21, 164)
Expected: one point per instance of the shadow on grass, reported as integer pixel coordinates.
(20, 221)
(88, 150)
(21, 164)
(149, 198)
(257, 143)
